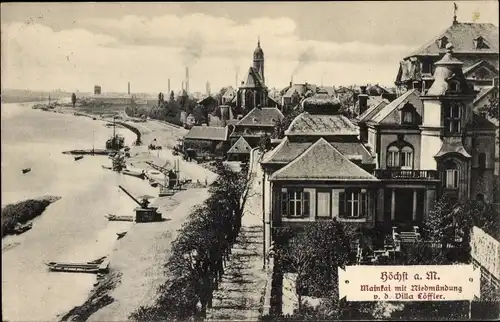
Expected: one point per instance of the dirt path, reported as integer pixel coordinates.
(240, 295)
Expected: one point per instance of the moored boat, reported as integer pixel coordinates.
(19, 229)
(78, 157)
(121, 235)
(26, 170)
(111, 217)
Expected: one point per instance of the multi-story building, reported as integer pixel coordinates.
(411, 152)
(476, 45)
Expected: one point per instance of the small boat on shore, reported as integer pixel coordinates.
(107, 167)
(78, 157)
(140, 175)
(26, 170)
(111, 217)
(20, 228)
(79, 267)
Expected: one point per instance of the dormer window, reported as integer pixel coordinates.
(443, 41)
(454, 86)
(480, 43)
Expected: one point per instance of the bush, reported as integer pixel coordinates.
(22, 212)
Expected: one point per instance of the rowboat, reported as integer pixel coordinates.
(119, 218)
(78, 157)
(121, 235)
(107, 167)
(26, 170)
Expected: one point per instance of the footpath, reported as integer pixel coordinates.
(240, 294)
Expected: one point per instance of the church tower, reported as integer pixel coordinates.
(258, 60)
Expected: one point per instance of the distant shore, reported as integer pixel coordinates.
(24, 211)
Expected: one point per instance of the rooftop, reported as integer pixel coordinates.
(207, 133)
(321, 125)
(462, 36)
(264, 116)
(322, 161)
(241, 146)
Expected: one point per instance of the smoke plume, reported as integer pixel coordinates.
(305, 58)
(193, 49)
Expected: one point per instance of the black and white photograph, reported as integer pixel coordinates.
(250, 161)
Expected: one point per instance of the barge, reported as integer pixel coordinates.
(93, 268)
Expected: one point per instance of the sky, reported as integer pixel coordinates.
(74, 46)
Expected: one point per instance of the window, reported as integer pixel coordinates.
(443, 41)
(479, 43)
(408, 117)
(452, 175)
(353, 203)
(407, 157)
(481, 160)
(427, 67)
(295, 203)
(452, 118)
(393, 157)
(454, 86)
(323, 203)
(400, 155)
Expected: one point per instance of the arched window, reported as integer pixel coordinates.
(452, 175)
(393, 156)
(400, 155)
(481, 160)
(407, 157)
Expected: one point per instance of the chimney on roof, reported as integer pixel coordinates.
(363, 100)
(417, 85)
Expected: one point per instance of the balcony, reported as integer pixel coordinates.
(397, 174)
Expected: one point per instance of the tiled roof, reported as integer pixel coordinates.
(462, 36)
(265, 116)
(480, 63)
(398, 103)
(483, 92)
(240, 146)
(254, 79)
(320, 125)
(207, 133)
(372, 110)
(321, 161)
(287, 151)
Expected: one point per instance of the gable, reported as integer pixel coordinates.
(391, 113)
(241, 146)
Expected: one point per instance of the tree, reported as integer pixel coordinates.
(491, 109)
(73, 99)
(282, 125)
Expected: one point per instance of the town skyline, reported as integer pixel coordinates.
(45, 48)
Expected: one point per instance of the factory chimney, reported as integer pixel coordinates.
(208, 88)
(236, 80)
(169, 86)
(187, 79)
(128, 88)
(182, 86)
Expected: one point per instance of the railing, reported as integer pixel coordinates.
(406, 174)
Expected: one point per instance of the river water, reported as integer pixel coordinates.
(73, 228)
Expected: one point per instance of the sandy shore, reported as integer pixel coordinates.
(137, 262)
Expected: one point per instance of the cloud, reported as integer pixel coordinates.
(147, 51)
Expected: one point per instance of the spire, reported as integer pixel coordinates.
(455, 9)
(258, 41)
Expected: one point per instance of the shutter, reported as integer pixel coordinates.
(306, 204)
(341, 204)
(284, 203)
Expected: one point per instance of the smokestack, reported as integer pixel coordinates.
(187, 79)
(182, 86)
(169, 86)
(208, 88)
(236, 80)
(128, 88)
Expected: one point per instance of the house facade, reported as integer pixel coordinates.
(206, 141)
(390, 169)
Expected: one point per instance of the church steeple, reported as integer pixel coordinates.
(258, 59)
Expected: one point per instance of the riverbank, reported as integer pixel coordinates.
(24, 211)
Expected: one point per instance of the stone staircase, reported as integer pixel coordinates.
(240, 294)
